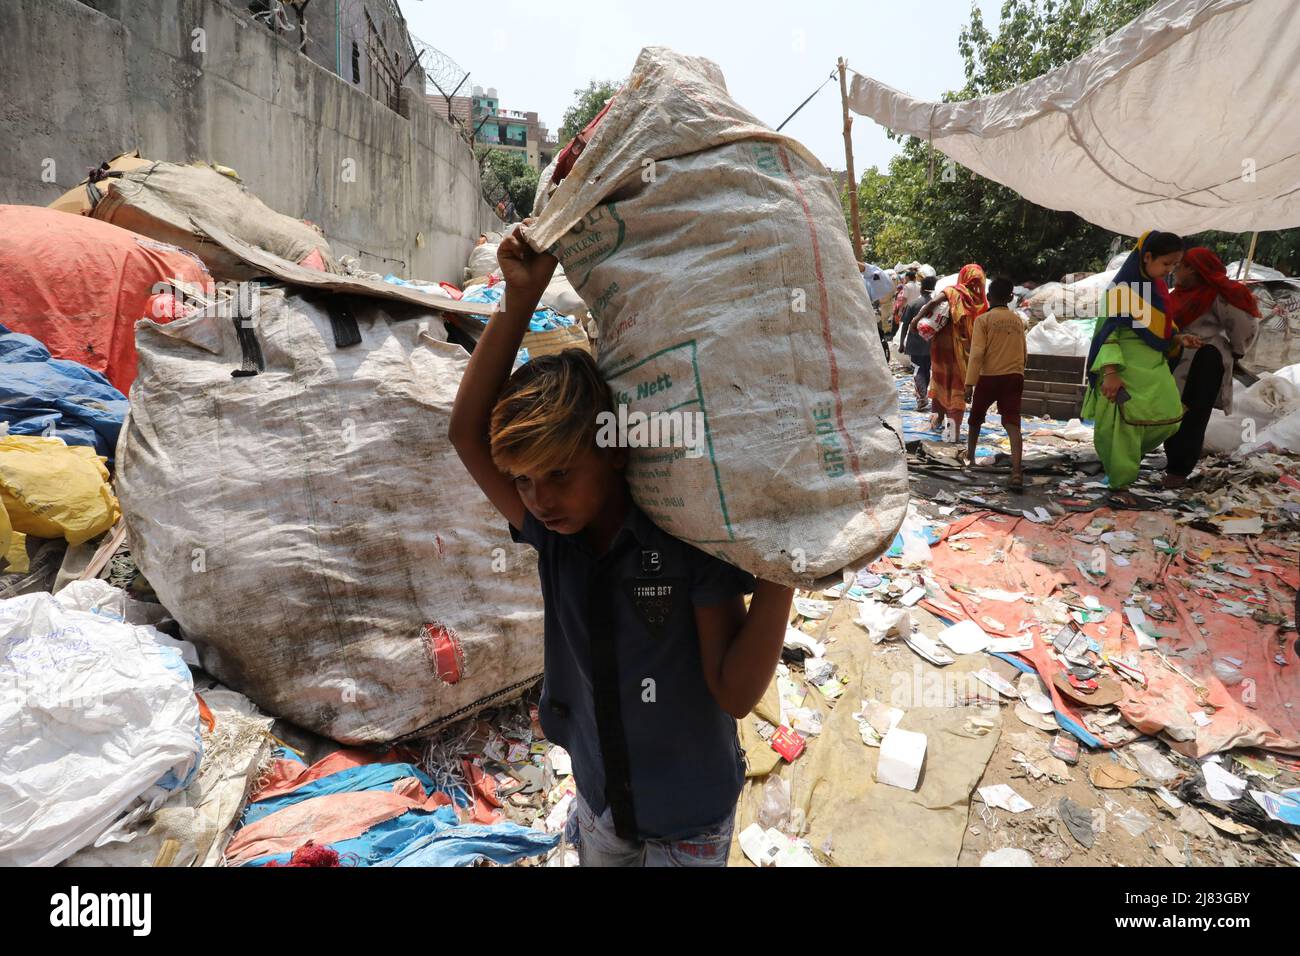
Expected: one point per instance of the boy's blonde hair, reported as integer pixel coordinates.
(546, 413)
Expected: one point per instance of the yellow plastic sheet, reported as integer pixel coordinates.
(6, 534)
(53, 490)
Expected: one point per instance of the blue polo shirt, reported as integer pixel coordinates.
(623, 687)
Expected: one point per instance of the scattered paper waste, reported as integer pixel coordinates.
(964, 637)
(815, 610)
(1220, 784)
(1011, 645)
(928, 649)
(996, 681)
(797, 638)
(1034, 693)
(880, 620)
(560, 761)
(875, 720)
(1000, 795)
(1284, 806)
(771, 847)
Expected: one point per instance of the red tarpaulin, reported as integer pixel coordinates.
(79, 285)
(1169, 701)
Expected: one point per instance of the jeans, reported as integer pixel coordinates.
(599, 845)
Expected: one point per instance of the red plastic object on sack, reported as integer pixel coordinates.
(164, 307)
(569, 155)
(787, 743)
(445, 652)
(79, 285)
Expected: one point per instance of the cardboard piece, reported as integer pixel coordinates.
(1108, 690)
(291, 272)
(77, 200)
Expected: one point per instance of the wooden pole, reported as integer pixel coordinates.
(1243, 270)
(856, 234)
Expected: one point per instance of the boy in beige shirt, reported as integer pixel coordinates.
(995, 371)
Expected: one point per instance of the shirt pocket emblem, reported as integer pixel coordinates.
(653, 600)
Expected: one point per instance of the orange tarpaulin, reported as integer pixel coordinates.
(1169, 701)
(329, 818)
(79, 285)
(285, 776)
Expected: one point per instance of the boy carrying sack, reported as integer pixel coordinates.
(650, 654)
(995, 372)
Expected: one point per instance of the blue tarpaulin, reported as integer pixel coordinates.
(465, 845)
(40, 395)
(374, 776)
(543, 320)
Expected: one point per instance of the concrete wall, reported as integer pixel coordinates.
(78, 86)
(335, 26)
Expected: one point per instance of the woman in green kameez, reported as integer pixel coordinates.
(1132, 396)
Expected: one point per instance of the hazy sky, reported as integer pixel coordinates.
(772, 54)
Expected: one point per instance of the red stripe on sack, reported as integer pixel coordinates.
(824, 303)
(444, 650)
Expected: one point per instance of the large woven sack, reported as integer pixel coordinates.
(159, 199)
(311, 528)
(713, 254)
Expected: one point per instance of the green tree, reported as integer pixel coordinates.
(587, 104)
(505, 174)
(930, 209)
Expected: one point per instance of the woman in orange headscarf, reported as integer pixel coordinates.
(951, 345)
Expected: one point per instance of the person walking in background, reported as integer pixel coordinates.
(916, 347)
(910, 293)
(951, 344)
(879, 289)
(995, 372)
(1219, 320)
(1131, 395)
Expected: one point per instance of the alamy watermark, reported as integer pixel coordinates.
(1092, 303)
(75, 908)
(673, 429)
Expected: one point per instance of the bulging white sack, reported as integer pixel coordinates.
(97, 717)
(1050, 337)
(311, 528)
(713, 254)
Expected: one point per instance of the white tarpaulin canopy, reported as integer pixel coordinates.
(1159, 127)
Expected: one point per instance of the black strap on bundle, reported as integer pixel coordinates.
(609, 713)
(342, 321)
(97, 175)
(252, 360)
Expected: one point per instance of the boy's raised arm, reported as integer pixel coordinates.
(526, 274)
